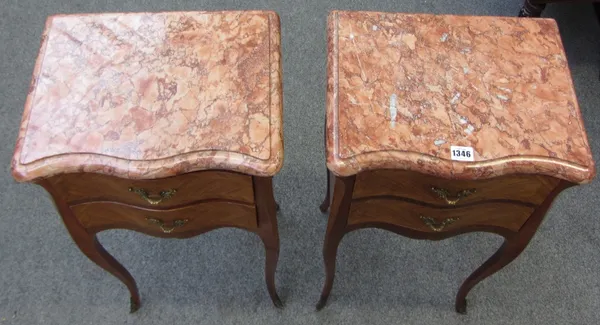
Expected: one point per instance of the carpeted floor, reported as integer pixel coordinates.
(218, 278)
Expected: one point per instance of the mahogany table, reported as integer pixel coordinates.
(443, 125)
(169, 124)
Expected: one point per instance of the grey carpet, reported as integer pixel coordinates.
(217, 278)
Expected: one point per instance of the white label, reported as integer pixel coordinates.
(462, 153)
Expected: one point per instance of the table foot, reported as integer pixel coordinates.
(322, 303)
(272, 256)
(461, 306)
(134, 305)
(277, 302)
(324, 206)
(332, 241)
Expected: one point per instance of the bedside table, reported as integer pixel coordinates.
(442, 125)
(169, 124)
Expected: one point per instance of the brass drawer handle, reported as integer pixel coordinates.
(437, 226)
(444, 194)
(161, 224)
(164, 195)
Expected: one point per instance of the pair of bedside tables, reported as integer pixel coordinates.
(170, 124)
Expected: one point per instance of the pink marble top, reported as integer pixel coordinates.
(149, 95)
(404, 88)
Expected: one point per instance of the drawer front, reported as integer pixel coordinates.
(399, 183)
(158, 193)
(98, 216)
(428, 219)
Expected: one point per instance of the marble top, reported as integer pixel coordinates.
(149, 95)
(404, 88)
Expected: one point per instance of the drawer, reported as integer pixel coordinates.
(98, 216)
(400, 183)
(429, 219)
(156, 193)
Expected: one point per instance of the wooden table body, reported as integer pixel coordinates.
(410, 204)
(202, 201)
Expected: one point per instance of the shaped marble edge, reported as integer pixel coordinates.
(424, 163)
(170, 166)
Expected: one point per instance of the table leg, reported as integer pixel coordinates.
(267, 231)
(89, 245)
(510, 249)
(531, 8)
(338, 219)
(325, 205)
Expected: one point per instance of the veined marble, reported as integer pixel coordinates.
(149, 95)
(404, 88)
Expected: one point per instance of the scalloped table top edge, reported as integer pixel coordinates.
(185, 162)
(349, 152)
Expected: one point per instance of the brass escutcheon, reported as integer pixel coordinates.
(161, 224)
(437, 226)
(163, 195)
(444, 194)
